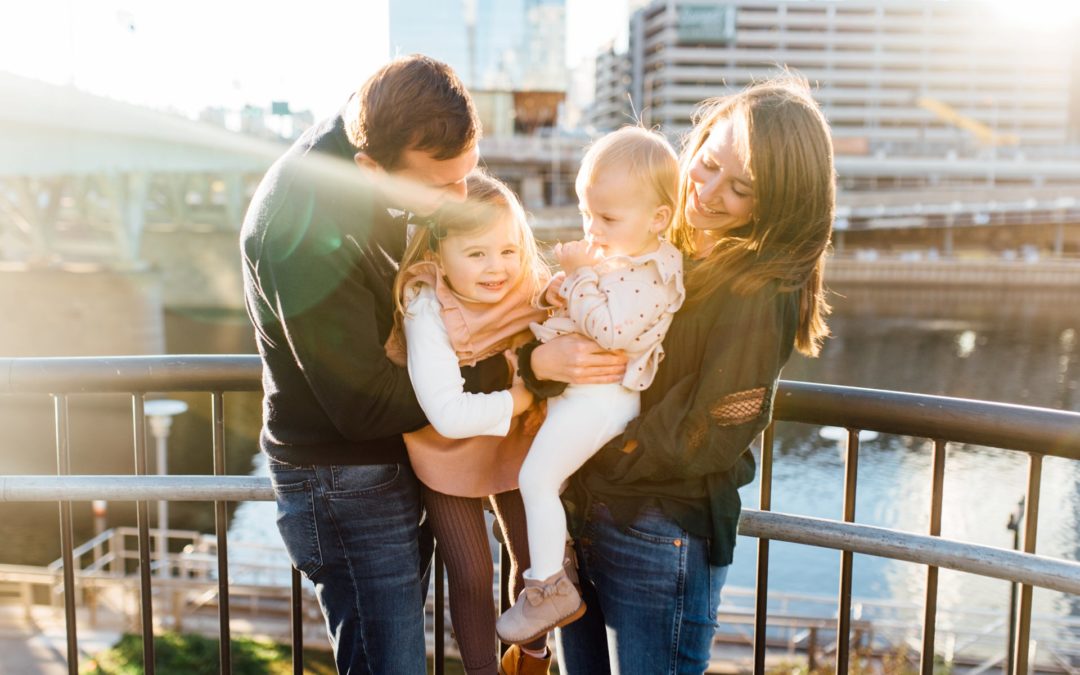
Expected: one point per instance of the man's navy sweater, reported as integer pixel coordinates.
(320, 254)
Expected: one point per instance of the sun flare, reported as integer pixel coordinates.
(1037, 13)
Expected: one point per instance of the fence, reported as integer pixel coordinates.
(1037, 432)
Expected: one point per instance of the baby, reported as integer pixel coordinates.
(623, 284)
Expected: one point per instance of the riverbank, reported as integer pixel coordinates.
(996, 273)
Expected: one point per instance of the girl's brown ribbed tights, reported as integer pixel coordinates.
(461, 533)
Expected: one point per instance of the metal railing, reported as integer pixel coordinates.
(1035, 431)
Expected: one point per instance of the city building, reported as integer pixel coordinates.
(505, 44)
(895, 77)
(511, 54)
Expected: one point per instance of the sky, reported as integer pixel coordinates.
(196, 54)
(191, 55)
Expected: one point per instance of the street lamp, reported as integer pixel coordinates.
(160, 413)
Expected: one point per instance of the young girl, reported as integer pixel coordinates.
(623, 285)
(466, 292)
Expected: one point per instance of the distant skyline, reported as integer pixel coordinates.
(239, 52)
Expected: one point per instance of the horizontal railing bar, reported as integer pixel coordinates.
(988, 561)
(135, 488)
(996, 425)
(959, 420)
(104, 374)
(828, 603)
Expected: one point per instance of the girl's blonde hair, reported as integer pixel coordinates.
(779, 130)
(645, 156)
(489, 201)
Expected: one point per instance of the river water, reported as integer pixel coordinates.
(984, 344)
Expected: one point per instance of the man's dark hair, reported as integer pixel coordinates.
(413, 103)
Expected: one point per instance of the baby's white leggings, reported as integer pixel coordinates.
(578, 424)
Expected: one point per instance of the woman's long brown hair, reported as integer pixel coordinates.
(784, 138)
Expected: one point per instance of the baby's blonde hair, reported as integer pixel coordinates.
(489, 201)
(645, 155)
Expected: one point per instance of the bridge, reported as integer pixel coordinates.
(82, 178)
(81, 175)
(113, 211)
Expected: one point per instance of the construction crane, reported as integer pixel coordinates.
(982, 132)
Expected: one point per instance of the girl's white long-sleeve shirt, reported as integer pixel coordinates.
(436, 377)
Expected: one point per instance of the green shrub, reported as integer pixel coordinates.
(182, 654)
(177, 654)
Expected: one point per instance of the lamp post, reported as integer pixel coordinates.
(160, 413)
(100, 509)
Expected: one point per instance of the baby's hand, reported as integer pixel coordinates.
(575, 254)
(551, 293)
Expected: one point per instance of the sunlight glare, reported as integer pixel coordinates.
(1037, 13)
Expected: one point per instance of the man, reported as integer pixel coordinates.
(321, 242)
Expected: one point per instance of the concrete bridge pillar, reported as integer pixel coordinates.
(235, 201)
(80, 310)
(128, 193)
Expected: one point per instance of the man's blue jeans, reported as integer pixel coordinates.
(652, 598)
(354, 531)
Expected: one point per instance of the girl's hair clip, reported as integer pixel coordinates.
(438, 232)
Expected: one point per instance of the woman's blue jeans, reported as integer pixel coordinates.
(652, 598)
(354, 531)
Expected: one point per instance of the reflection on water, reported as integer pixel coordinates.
(982, 344)
(1001, 348)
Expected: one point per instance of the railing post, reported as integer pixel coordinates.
(221, 529)
(63, 468)
(142, 516)
(761, 596)
(505, 600)
(843, 621)
(297, 623)
(439, 657)
(930, 611)
(1031, 528)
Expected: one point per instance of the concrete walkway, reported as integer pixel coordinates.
(38, 646)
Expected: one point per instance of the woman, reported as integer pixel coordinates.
(655, 512)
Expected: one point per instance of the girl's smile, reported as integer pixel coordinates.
(482, 266)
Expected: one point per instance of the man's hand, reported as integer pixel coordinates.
(577, 360)
(575, 254)
(523, 398)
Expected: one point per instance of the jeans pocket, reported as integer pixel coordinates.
(296, 522)
(351, 481)
(653, 526)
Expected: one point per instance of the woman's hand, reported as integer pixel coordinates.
(575, 254)
(577, 360)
